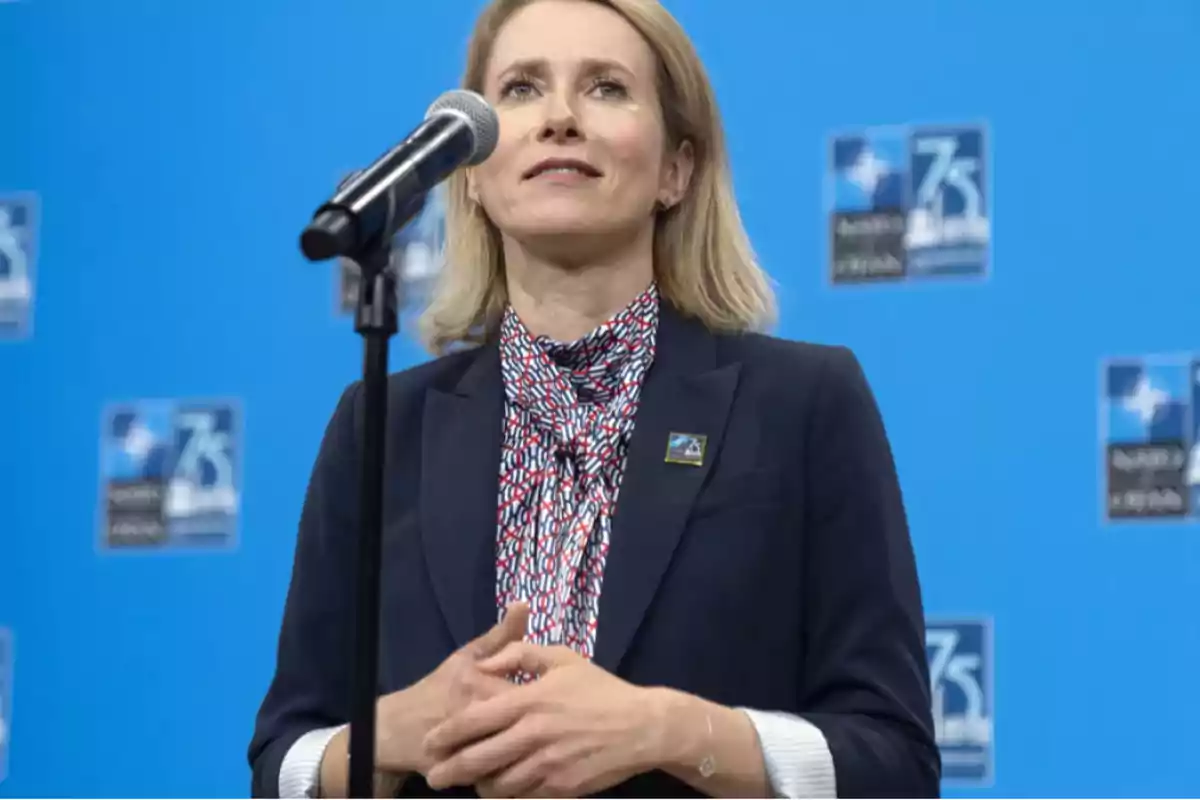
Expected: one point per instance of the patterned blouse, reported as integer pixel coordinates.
(569, 413)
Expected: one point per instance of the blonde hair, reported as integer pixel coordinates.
(703, 261)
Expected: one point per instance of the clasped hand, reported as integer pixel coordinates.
(575, 730)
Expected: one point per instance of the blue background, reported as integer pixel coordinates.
(178, 148)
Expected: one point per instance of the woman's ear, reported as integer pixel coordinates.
(472, 189)
(677, 176)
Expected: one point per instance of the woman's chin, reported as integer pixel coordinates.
(564, 235)
(563, 222)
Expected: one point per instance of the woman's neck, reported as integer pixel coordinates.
(568, 302)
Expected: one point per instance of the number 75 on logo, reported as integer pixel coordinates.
(960, 671)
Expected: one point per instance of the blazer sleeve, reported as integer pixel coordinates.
(866, 677)
(311, 685)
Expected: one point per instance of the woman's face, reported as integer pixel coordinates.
(582, 148)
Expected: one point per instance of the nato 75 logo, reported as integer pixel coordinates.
(1150, 435)
(908, 203)
(18, 257)
(960, 669)
(171, 474)
(6, 670)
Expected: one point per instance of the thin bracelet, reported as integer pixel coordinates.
(709, 764)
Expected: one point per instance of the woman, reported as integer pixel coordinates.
(696, 529)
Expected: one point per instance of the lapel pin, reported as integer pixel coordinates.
(686, 448)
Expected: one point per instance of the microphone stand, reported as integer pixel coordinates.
(376, 320)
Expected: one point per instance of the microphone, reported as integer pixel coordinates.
(460, 128)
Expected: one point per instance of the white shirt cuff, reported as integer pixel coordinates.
(300, 773)
(796, 755)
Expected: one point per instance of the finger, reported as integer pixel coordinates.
(529, 658)
(522, 778)
(474, 763)
(479, 720)
(485, 788)
(485, 687)
(511, 628)
(470, 686)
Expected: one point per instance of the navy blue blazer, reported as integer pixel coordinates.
(777, 575)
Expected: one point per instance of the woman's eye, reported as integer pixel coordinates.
(610, 88)
(517, 88)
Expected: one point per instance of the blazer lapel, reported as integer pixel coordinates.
(686, 393)
(460, 463)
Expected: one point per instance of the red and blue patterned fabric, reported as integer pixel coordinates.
(569, 414)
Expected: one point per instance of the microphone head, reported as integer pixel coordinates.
(480, 118)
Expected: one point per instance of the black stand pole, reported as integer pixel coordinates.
(335, 230)
(376, 321)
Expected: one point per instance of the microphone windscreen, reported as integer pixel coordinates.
(480, 117)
